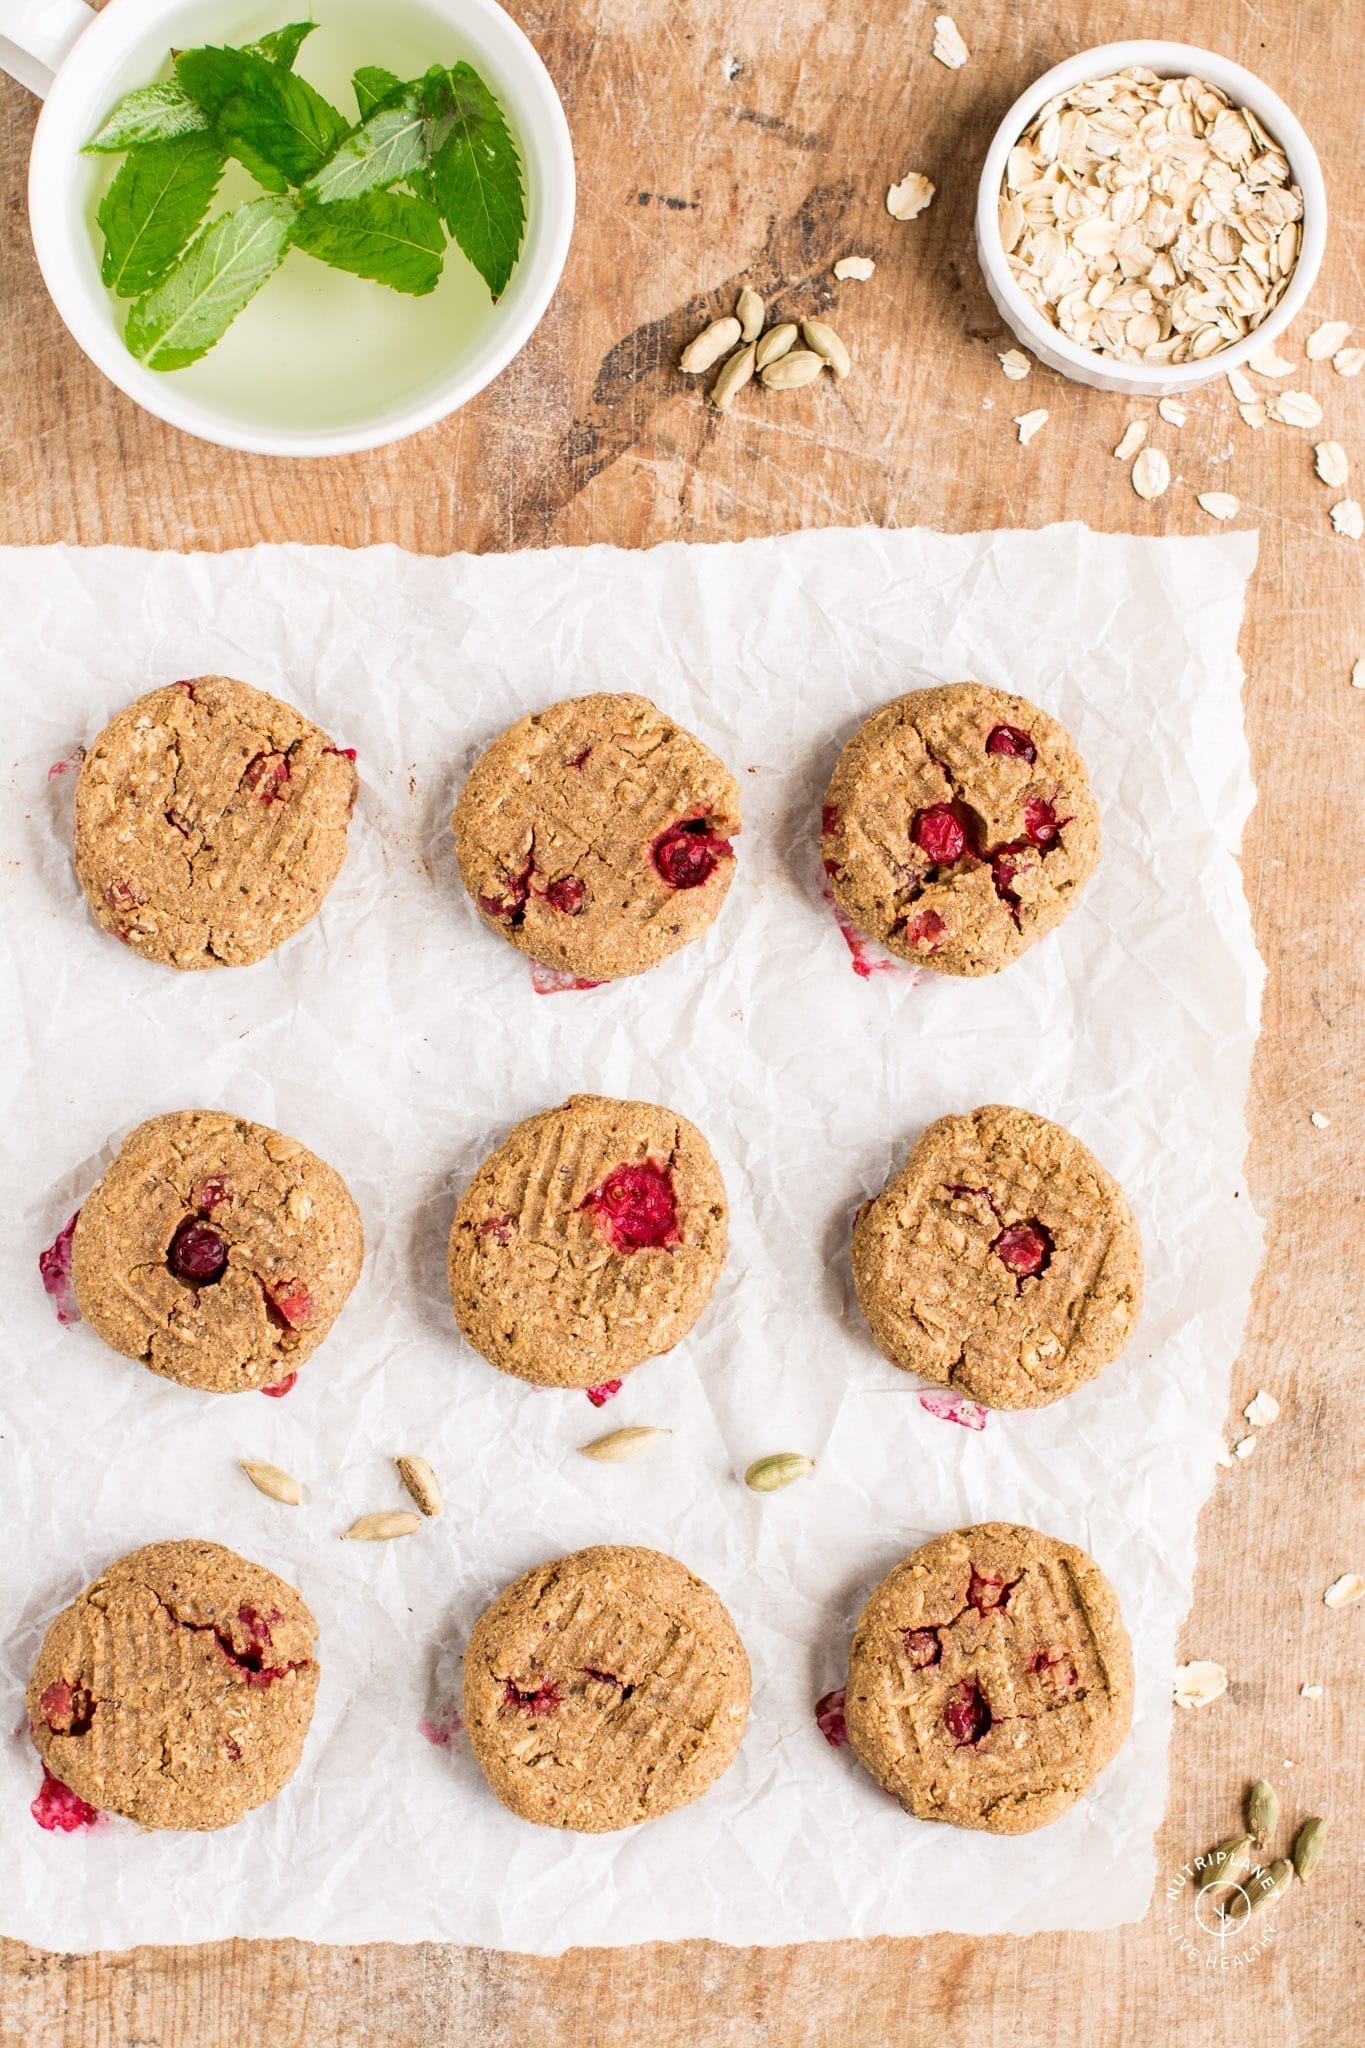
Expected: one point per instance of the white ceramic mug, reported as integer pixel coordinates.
(320, 363)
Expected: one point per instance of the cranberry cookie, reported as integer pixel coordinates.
(178, 1689)
(604, 1689)
(1002, 1260)
(210, 823)
(990, 1679)
(588, 1242)
(958, 827)
(216, 1252)
(597, 836)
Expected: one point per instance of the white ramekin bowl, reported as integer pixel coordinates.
(1088, 366)
(81, 62)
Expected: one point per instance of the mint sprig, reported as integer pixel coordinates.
(154, 205)
(475, 172)
(389, 237)
(387, 147)
(195, 303)
(273, 121)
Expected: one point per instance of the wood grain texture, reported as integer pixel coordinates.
(718, 143)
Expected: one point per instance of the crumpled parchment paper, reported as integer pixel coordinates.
(401, 1041)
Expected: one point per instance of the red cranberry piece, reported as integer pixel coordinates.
(925, 931)
(607, 1391)
(281, 1387)
(545, 1699)
(634, 1207)
(1012, 740)
(687, 854)
(342, 753)
(54, 1266)
(579, 760)
(265, 776)
(829, 1717)
(197, 1253)
(1025, 1248)
(567, 894)
(922, 1647)
(829, 818)
(233, 1749)
(58, 1807)
(214, 1193)
(503, 1228)
(288, 1302)
(1055, 1669)
(1041, 821)
(123, 897)
(68, 1709)
(985, 1592)
(513, 904)
(967, 1716)
(940, 834)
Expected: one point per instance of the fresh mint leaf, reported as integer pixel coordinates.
(476, 173)
(374, 88)
(282, 45)
(154, 205)
(387, 147)
(154, 113)
(387, 236)
(195, 303)
(263, 115)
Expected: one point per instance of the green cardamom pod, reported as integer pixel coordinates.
(767, 1475)
(1263, 1810)
(1308, 1846)
(1261, 1889)
(1225, 1863)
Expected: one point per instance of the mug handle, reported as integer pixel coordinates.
(35, 37)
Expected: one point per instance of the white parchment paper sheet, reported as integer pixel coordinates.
(401, 1041)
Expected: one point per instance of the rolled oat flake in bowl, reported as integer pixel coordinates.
(1148, 218)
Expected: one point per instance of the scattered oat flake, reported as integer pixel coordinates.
(1268, 364)
(860, 267)
(1318, 1120)
(1310, 1692)
(949, 47)
(910, 197)
(1134, 436)
(1349, 362)
(1243, 390)
(1029, 424)
(1254, 415)
(1327, 340)
(1015, 364)
(1261, 1409)
(1343, 1591)
(1173, 412)
(1244, 1447)
(1348, 519)
(1331, 463)
(1358, 675)
(1151, 473)
(1294, 409)
(1199, 1684)
(1219, 504)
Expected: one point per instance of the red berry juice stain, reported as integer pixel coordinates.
(949, 1407)
(441, 1730)
(59, 1810)
(55, 1267)
(829, 1717)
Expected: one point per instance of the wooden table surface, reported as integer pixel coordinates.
(719, 144)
